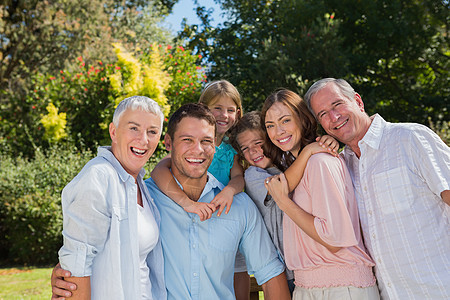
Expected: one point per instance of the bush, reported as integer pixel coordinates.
(82, 98)
(30, 203)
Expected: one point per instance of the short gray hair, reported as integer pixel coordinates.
(345, 88)
(137, 102)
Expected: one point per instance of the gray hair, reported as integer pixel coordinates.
(137, 102)
(345, 88)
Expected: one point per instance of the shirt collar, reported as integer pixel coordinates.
(211, 183)
(106, 153)
(373, 136)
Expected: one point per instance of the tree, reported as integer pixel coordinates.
(399, 56)
(46, 36)
(40, 39)
(395, 53)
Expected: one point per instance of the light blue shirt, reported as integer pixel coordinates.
(100, 230)
(199, 256)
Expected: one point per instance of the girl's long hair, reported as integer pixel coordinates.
(215, 90)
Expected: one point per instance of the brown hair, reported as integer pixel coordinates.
(304, 119)
(249, 121)
(193, 110)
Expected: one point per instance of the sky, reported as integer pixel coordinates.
(186, 9)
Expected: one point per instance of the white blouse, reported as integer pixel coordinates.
(148, 237)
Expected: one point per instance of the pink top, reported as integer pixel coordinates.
(326, 192)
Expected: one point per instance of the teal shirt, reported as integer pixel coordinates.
(222, 163)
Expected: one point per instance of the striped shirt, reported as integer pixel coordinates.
(398, 180)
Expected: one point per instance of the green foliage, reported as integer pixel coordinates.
(133, 77)
(34, 224)
(44, 36)
(442, 128)
(82, 93)
(89, 93)
(271, 44)
(54, 124)
(187, 75)
(399, 56)
(395, 53)
(30, 210)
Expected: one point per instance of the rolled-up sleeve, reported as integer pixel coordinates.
(86, 221)
(257, 247)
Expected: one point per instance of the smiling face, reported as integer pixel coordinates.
(283, 128)
(192, 148)
(342, 118)
(226, 113)
(135, 139)
(250, 143)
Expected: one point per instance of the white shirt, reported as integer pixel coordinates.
(148, 233)
(398, 180)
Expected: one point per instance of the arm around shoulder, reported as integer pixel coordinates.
(163, 178)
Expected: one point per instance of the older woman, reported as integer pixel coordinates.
(321, 232)
(111, 225)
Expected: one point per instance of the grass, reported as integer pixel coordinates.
(25, 283)
(30, 283)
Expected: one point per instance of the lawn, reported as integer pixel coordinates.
(25, 283)
(29, 283)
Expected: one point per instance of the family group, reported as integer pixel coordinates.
(259, 194)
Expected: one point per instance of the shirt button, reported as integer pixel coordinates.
(370, 212)
(365, 189)
(193, 246)
(373, 235)
(195, 274)
(389, 284)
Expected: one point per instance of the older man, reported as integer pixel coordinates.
(199, 256)
(401, 175)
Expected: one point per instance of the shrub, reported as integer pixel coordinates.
(187, 76)
(30, 203)
(88, 93)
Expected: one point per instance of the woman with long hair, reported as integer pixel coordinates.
(321, 231)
